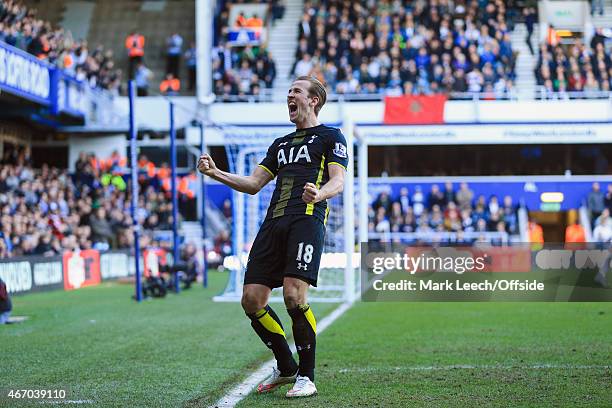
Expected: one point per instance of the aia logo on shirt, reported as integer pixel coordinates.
(292, 156)
(340, 150)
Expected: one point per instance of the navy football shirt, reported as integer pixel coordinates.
(302, 157)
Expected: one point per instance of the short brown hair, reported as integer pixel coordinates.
(316, 89)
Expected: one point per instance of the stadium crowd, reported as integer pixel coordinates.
(20, 27)
(578, 67)
(442, 210)
(47, 211)
(242, 71)
(406, 47)
(599, 205)
(459, 211)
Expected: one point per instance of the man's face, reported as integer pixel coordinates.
(298, 102)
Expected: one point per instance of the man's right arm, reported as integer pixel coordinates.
(245, 184)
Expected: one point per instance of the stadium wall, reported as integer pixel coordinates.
(152, 112)
(465, 122)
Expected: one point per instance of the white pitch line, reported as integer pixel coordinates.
(475, 367)
(58, 402)
(239, 392)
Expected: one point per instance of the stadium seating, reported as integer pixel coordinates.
(20, 27)
(239, 72)
(443, 210)
(577, 70)
(46, 211)
(407, 48)
(117, 18)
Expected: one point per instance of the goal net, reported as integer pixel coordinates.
(338, 273)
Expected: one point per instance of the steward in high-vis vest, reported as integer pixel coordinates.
(134, 43)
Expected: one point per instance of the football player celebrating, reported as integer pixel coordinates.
(309, 165)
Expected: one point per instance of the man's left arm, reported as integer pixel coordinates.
(334, 185)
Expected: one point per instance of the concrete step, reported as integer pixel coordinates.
(282, 40)
(283, 43)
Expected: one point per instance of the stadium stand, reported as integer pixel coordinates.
(408, 47)
(577, 67)
(47, 211)
(242, 71)
(115, 20)
(21, 28)
(443, 210)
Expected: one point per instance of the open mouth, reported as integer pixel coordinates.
(292, 107)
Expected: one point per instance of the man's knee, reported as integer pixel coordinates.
(294, 293)
(252, 301)
(292, 299)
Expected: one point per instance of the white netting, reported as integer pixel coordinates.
(245, 148)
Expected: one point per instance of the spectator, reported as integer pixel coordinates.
(5, 303)
(102, 234)
(278, 10)
(608, 198)
(597, 5)
(509, 214)
(188, 265)
(418, 201)
(449, 193)
(605, 215)
(45, 246)
(191, 60)
(595, 202)
(241, 20)
(536, 234)
(383, 201)
(574, 233)
(304, 66)
(603, 229)
(222, 244)
(254, 21)
(142, 78)
(530, 18)
(404, 200)
(174, 49)
(493, 207)
(134, 43)
(464, 197)
(170, 85)
(435, 197)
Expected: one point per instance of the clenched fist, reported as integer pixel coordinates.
(311, 194)
(206, 165)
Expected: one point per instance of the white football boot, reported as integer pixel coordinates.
(303, 387)
(274, 381)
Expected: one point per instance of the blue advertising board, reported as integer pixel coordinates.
(244, 36)
(23, 75)
(72, 96)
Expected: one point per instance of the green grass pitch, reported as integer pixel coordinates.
(188, 351)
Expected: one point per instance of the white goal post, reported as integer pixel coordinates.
(339, 270)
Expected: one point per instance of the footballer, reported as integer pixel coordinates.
(309, 165)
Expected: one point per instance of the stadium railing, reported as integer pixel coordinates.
(269, 95)
(446, 236)
(543, 93)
